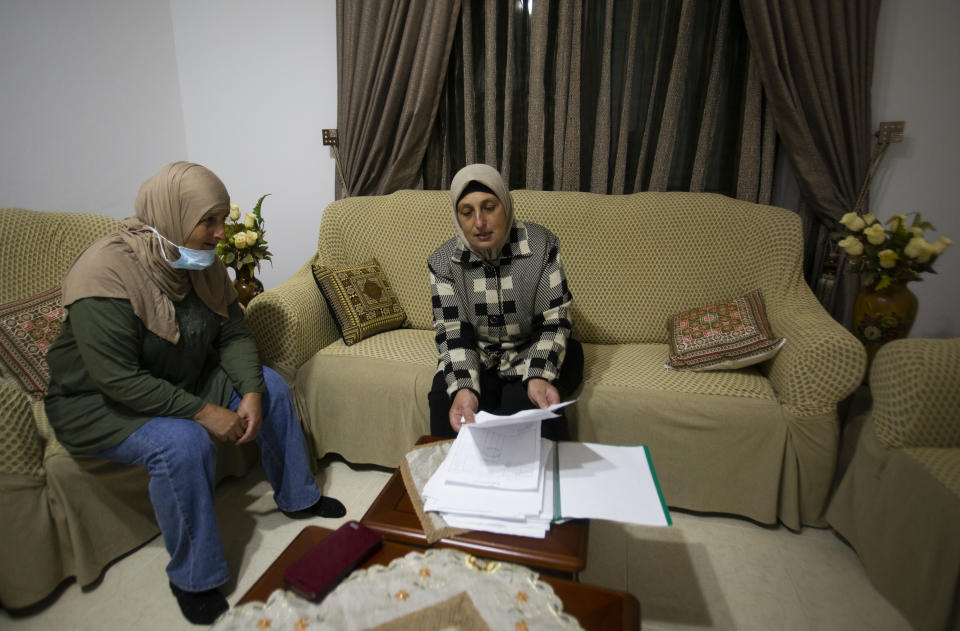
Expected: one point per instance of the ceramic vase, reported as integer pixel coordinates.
(882, 315)
(247, 286)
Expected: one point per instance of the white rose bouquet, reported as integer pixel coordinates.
(897, 253)
(244, 246)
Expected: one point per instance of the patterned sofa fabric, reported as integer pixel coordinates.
(63, 516)
(759, 441)
(898, 503)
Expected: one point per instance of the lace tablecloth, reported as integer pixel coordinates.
(436, 589)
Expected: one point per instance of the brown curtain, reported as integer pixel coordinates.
(815, 58)
(605, 96)
(392, 58)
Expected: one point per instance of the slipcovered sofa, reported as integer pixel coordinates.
(760, 441)
(60, 515)
(898, 502)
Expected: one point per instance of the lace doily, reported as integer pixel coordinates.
(435, 589)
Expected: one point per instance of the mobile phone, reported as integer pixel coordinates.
(317, 572)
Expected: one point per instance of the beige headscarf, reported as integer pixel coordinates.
(489, 177)
(129, 263)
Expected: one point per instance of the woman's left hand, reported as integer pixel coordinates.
(251, 411)
(542, 393)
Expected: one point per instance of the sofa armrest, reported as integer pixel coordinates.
(290, 323)
(916, 398)
(21, 445)
(820, 365)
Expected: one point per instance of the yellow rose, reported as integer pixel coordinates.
(249, 220)
(251, 237)
(919, 249)
(240, 240)
(940, 245)
(869, 218)
(853, 222)
(916, 231)
(875, 234)
(234, 212)
(851, 245)
(897, 221)
(887, 258)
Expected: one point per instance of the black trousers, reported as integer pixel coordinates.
(502, 396)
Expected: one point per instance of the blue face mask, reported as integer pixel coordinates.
(190, 259)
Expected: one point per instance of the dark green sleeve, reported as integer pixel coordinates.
(108, 337)
(238, 353)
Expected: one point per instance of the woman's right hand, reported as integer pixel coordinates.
(221, 423)
(464, 406)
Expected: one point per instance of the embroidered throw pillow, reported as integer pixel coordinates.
(724, 336)
(361, 300)
(27, 329)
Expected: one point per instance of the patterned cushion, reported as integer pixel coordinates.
(360, 298)
(723, 336)
(27, 329)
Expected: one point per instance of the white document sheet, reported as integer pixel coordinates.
(487, 420)
(610, 482)
(446, 497)
(530, 528)
(506, 457)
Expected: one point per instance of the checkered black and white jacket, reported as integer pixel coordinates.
(511, 315)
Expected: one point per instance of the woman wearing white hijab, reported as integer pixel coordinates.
(500, 311)
(154, 363)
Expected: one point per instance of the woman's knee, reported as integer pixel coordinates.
(182, 440)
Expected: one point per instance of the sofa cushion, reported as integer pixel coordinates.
(27, 329)
(722, 336)
(360, 298)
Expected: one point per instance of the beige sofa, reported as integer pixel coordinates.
(759, 441)
(898, 503)
(60, 516)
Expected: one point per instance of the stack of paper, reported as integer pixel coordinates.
(501, 476)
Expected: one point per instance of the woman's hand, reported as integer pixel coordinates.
(464, 406)
(221, 423)
(251, 411)
(542, 393)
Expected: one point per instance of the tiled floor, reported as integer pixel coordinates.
(705, 572)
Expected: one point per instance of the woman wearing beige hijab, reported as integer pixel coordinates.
(154, 364)
(501, 311)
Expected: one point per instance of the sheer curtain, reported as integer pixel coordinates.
(391, 63)
(605, 96)
(816, 63)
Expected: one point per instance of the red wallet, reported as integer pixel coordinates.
(317, 572)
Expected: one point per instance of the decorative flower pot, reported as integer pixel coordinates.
(247, 286)
(880, 316)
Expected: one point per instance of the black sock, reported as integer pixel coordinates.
(200, 607)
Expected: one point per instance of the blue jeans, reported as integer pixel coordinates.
(180, 457)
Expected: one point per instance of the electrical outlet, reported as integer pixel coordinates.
(330, 138)
(890, 132)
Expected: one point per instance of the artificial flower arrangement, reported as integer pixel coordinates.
(244, 246)
(884, 255)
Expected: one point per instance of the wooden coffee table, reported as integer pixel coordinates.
(562, 553)
(594, 607)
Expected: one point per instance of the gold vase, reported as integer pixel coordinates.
(247, 286)
(880, 316)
